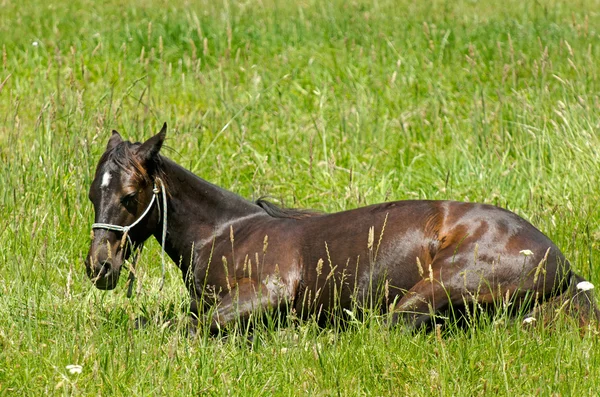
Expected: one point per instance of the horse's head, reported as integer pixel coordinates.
(124, 203)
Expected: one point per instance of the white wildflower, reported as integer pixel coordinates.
(529, 320)
(526, 252)
(585, 286)
(165, 325)
(74, 368)
(35, 43)
(350, 314)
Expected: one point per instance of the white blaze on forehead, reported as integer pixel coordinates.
(105, 179)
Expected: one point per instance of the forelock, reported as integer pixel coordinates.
(122, 158)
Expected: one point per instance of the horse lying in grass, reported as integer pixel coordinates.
(239, 257)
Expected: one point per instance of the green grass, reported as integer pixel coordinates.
(321, 105)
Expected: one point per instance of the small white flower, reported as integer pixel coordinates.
(350, 314)
(74, 368)
(526, 252)
(529, 320)
(585, 286)
(35, 43)
(165, 325)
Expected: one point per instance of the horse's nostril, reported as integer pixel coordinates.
(104, 269)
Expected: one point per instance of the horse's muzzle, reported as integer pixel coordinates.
(107, 277)
(103, 271)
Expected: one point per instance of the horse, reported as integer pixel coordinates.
(411, 260)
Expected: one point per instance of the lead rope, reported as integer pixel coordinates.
(164, 231)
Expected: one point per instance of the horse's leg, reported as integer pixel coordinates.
(243, 299)
(448, 283)
(421, 302)
(451, 284)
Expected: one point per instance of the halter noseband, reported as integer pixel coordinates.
(125, 230)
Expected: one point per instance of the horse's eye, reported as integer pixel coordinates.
(128, 199)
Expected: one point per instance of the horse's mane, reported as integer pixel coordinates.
(122, 156)
(277, 212)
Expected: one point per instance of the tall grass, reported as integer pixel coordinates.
(326, 105)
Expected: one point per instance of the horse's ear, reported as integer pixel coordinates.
(114, 140)
(149, 149)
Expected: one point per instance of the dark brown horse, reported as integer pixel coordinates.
(238, 256)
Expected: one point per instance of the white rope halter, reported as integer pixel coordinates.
(125, 230)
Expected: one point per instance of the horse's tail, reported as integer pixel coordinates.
(576, 301)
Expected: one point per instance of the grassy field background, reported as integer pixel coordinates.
(325, 105)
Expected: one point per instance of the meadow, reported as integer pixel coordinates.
(322, 105)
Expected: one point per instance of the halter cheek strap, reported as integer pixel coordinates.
(125, 230)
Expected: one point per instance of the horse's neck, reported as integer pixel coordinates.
(196, 206)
